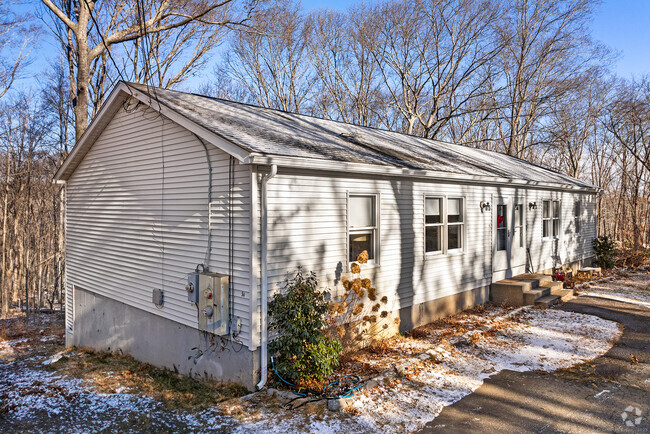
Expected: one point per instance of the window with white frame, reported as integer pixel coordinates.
(362, 226)
(443, 224)
(433, 224)
(551, 218)
(577, 213)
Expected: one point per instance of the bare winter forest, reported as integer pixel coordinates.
(523, 77)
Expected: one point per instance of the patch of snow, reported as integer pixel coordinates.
(601, 393)
(55, 358)
(630, 287)
(543, 340)
(615, 297)
(70, 406)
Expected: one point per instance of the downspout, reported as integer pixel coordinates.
(264, 285)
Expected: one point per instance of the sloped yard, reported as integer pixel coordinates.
(627, 285)
(409, 379)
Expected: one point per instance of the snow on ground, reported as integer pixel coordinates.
(631, 286)
(436, 371)
(542, 340)
(30, 397)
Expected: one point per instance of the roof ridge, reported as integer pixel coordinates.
(269, 131)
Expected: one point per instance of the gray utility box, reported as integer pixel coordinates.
(213, 303)
(192, 287)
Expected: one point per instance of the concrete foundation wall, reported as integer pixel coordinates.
(424, 313)
(108, 325)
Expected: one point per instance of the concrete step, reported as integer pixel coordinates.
(564, 294)
(522, 290)
(547, 301)
(534, 294)
(552, 285)
(509, 291)
(540, 278)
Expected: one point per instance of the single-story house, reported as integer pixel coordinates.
(182, 213)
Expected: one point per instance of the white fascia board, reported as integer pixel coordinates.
(373, 169)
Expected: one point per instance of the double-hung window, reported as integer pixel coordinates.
(551, 218)
(577, 213)
(433, 224)
(443, 224)
(362, 226)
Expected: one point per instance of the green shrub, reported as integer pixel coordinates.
(605, 249)
(303, 354)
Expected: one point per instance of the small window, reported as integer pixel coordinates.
(546, 219)
(577, 213)
(362, 226)
(455, 224)
(433, 224)
(551, 218)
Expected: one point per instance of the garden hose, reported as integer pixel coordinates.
(353, 380)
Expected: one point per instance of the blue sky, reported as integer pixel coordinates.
(623, 25)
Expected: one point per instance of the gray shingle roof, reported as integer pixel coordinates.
(275, 133)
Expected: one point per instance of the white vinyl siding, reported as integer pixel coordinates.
(307, 211)
(137, 217)
(566, 245)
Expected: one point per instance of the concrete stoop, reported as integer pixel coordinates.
(529, 289)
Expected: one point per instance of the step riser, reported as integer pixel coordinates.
(507, 294)
(530, 297)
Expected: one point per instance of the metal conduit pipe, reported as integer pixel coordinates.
(264, 284)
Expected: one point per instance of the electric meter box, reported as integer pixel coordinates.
(192, 287)
(213, 292)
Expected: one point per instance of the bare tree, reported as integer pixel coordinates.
(165, 59)
(27, 205)
(431, 54)
(89, 30)
(17, 36)
(572, 124)
(348, 77)
(629, 119)
(271, 59)
(548, 51)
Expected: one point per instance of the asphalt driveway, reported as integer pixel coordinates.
(606, 395)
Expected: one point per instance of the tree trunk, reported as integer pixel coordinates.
(5, 288)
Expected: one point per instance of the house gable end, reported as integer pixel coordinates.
(118, 99)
